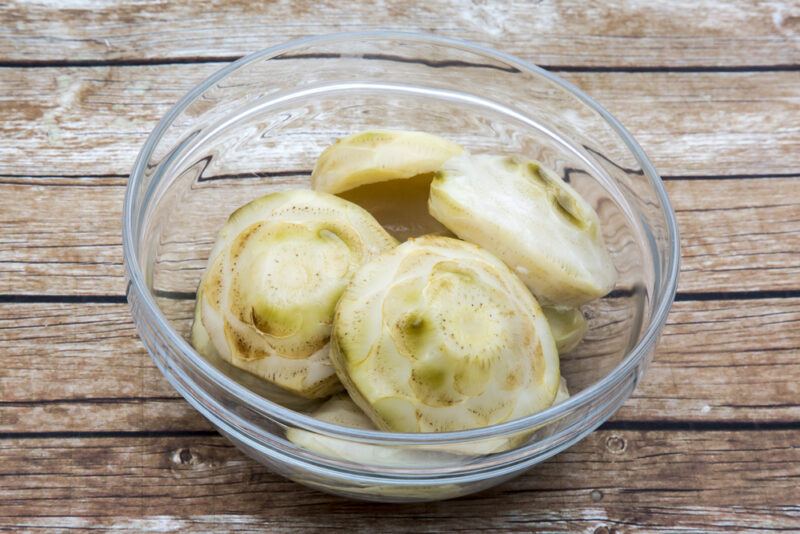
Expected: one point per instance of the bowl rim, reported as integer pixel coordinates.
(146, 301)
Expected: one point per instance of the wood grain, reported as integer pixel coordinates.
(80, 367)
(61, 235)
(587, 519)
(725, 360)
(741, 479)
(628, 33)
(92, 437)
(88, 121)
(736, 235)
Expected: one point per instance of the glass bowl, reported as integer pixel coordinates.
(257, 125)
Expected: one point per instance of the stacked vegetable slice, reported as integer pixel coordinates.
(279, 266)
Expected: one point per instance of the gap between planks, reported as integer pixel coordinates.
(717, 361)
(307, 172)
(680, 296)
(629, 33)
(628, 468)
(730, 233)
(627, 425)
(107, 112)
(143, 62)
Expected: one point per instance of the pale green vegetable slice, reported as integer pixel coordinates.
(267, 298)
(203, 345)
(439, 335)
(200, 339)
(563, 392)
(568, 326)
(378, 156)
(531, 219)
(341, 410)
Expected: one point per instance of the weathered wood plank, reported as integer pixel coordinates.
(80, 367)
(724, 360)
(689, 123)
(736, 235)
(571, 518)
(61, 235)
(76, 368)
(629, 480)
(145, 414)
(706, 124)
(553, 33)
(74, 351)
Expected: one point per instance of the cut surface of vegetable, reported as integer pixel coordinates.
(341, 410)
(267, 298)
(439, 335)
(563, 392)
(531, 219)
(568, 326)
(378, 156)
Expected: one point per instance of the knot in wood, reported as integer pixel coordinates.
(183, 457)
(616, 444)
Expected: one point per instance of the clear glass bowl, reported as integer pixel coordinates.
(257, 126)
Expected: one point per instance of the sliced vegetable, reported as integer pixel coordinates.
(567, 325)
(531, 219)
(378, 156)
(563, 392)
(267, 298)
(439, 335)
(341, 410)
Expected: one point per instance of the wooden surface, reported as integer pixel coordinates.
(91, 436)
